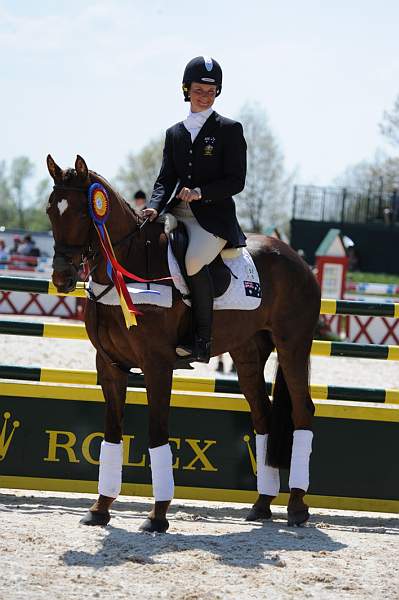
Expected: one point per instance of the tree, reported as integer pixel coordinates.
(141, 170)
(372, 177)
(21, 170)
(381, 173)
(265, 201)
(7, 209)
(17, 207)
(36, 215)
(389, 126)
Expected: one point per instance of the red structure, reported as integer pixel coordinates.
(29, 303)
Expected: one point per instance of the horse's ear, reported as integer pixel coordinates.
(81, 167)
(54, 170)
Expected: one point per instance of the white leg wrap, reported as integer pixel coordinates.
(110, 475)
(268, 478)
(301, 450)
(162, 473)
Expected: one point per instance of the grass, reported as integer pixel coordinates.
(359, 277)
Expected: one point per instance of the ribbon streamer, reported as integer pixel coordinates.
(99, 208)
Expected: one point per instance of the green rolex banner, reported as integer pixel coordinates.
(50, 438)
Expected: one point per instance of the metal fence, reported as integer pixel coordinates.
(344, 205)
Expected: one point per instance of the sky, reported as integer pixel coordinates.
(102, 78)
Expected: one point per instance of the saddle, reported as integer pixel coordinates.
(220, 273)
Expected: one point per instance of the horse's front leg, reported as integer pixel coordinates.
(113, 382)
(158, 373)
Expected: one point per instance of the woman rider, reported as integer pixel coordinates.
(204, 163)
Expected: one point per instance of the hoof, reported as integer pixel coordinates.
(154, 525)
(298, 518)
(256, 514)
(96, 518)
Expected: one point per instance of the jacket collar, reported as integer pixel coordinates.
(207, 128)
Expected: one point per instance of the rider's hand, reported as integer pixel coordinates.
(150, 213)
(188, 195)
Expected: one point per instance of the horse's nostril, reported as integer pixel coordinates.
(69, 284)
(63, 282)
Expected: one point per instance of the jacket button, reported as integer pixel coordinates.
(191, 151)
(189, 176)
(190, 164)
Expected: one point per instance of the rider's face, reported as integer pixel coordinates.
(202, 96)
(139, 203)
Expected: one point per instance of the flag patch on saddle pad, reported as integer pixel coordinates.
(252, 288)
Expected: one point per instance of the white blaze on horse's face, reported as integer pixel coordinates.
(62, 206)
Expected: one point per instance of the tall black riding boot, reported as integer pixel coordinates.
(201, 290)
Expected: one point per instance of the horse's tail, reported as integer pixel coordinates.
(279, 445)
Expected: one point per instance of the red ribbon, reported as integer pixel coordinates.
(119, 271)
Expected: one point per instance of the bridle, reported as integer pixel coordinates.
(64, 253)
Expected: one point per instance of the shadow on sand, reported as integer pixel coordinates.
(224, 513)
(246, 549)
(240, 549)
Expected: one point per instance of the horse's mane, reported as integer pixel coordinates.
(100, 179)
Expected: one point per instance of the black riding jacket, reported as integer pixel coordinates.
(216, 163)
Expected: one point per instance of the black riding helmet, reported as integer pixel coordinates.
(202, 69)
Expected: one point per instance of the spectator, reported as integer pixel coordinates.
(3, 252)
(26, 246)
(16, 244)
(29, 248)
(140, 200)
(353, 263)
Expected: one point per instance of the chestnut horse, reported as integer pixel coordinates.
(285, 321)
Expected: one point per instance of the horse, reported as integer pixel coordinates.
(284, 321)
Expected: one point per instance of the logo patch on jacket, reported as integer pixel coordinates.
(252, 288)
(209, 146)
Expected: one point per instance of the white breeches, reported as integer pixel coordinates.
(203, 247)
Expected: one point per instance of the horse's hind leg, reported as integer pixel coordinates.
(250, 360)
(113, 382)
(293, 355)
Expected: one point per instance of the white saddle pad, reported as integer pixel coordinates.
(243, 293)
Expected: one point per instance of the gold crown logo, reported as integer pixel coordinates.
(252, 458)
(6, 441)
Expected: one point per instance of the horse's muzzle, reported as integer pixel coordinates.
(65, 281)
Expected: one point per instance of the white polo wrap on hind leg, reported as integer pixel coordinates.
(110, 475)
(162, 473)
(301, 451)
(268, 478)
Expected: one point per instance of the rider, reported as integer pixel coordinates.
(203, 166)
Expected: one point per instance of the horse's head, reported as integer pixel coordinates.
(70, 221)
